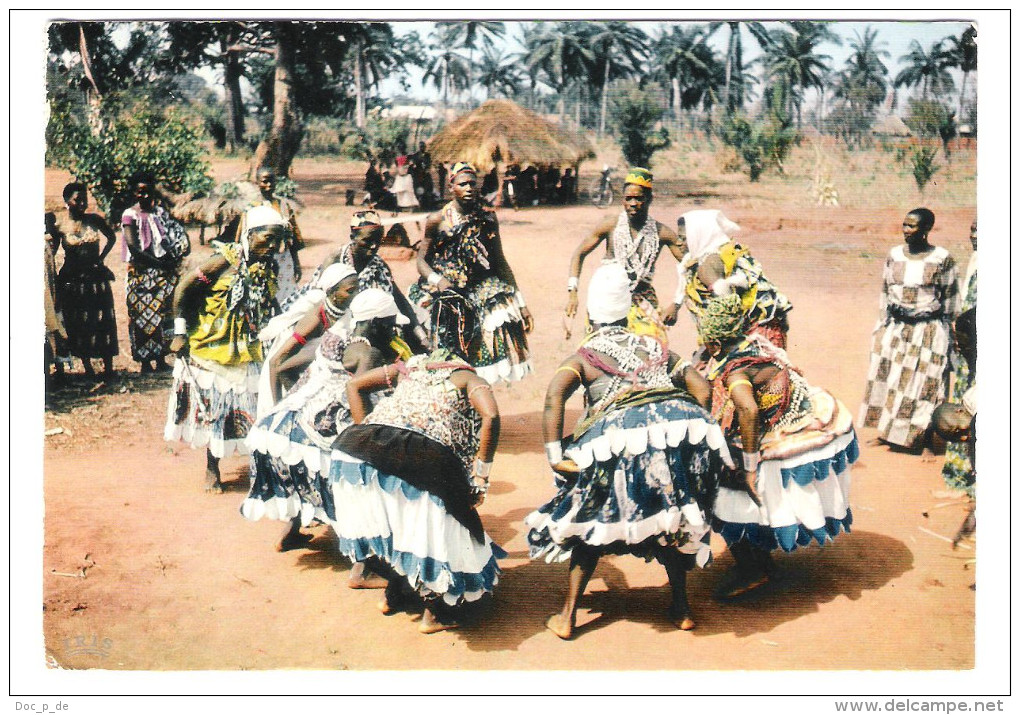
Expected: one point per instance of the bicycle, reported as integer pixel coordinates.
(600, 193)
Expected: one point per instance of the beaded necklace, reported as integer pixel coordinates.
(637, 253)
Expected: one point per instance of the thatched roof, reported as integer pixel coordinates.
(891, 126)
(501, 130)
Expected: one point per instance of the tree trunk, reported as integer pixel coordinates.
(675, 84)
(963, 88)
(359, 89)
(232, 97)
(605, 100)
(278, 148)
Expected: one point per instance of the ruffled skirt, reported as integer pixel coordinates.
(381, 515)
(212, 405)
(649, 475)
(803, 483)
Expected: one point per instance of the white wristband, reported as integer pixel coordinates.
(721, 287)
(520, 299)
(554, 452)
(482, 469)
(751, 460)
(681, 284)
(180, 326)
(434, 278)
(572, 283)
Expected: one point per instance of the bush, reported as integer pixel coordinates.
(760, 145)
(382, 139)
(634, 113)
(924, 166)
(926, 117)
(104, 154)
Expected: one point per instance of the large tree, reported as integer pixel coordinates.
(377, 53)
(620, 51)
(927, 68)
(793, 64)
(862, 85)
(684, 58)
(962, 52)
(470, 35)
(735, 82)
(499, 74)
(562, 55)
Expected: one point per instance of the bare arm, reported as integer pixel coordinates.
(310, 326)
(563, 384)
(371, 381)
(428, 236)
(484, 402)
(104, 228)
(691, 380)
(137, 254)
(577, 260)
(189, 290)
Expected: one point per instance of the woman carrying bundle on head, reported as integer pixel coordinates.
(795, 444)
(220, 308)
(641, 470)
(407, 479)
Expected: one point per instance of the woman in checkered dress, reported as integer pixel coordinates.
(910, 344)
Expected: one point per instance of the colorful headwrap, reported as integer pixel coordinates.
(459, 168)
(401, 160)
(365, 219)
(639, 177)
(722, 320)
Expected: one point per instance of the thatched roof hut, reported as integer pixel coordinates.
(505, 132)
(891, 126)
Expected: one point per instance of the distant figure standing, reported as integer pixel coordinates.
(403, 186)
(910, 344)
(288, 263)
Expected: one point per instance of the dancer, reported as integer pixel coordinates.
(83, 284)
(219, 308)
(634, 239)
(796, 443)
(641, 469)
(910, 345)
(467, 293)
(406, 481)
(290, 446)
(155, 244)
(716, 265)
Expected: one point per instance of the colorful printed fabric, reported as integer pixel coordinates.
(149, 293)
(958, 470)
(807, 446)
(762, 302)
(481, 317)
(236, 308)
(907, 376)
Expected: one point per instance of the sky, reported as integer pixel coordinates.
(897, 36)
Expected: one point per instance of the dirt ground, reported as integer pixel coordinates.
(166, 577)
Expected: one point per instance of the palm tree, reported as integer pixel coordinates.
(691, 66)
(448, 71)
(793, 64)
(563, 57)
(928, 69)
(862, 84)
(498, 75)
(735, 80)
(468, 35)
(376, 53)
(620, 48)
(963, 52)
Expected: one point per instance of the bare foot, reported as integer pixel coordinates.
(213, 485)
(430, 624)
(293, 540)
(681, 618)
(370, 581)
(560, 626)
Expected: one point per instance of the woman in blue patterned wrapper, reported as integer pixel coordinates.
(406, 481)
(467, 294)
(641, 469)
(291, 444)
(795, 444)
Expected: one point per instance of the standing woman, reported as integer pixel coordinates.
(642, 466)
(83, 283)
(958, 469)
(467, 289)
(406, 481)
(288, 263)
(910, 344)
(154, 246)
(219, 308)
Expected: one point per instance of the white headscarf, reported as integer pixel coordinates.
(282, 326)
(707, 230)
(258, 217)
(609, 293)
(374, 303)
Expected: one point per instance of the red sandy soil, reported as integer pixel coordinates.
(176, 579)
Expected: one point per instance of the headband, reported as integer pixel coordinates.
(639, 177)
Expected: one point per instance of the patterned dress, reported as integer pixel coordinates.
(958, 471)
(765, 306)
(480, 317)
(402, 492)
(910, 346)
(215, 389)
(650, 460)
(83, 290)
(638, 255)
(290, 446)
(807, 447)
(286, 268)
(150, 290)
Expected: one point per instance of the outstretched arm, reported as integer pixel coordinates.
(288, 357)
(669, 239)
(566, 379)
(480, 396)
(577, 261)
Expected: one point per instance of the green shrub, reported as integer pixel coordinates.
(760, 145)
(924, 166)
(105, 153)
(634, 114)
